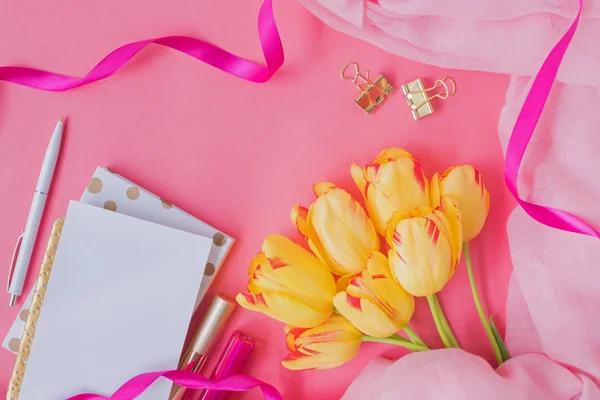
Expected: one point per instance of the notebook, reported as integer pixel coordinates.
(107, 189)
(119, 301)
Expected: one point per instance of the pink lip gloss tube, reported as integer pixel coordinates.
(232, 361)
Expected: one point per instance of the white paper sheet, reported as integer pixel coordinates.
(131, 199)
(113, 271)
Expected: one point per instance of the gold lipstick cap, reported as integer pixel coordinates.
(210, 328)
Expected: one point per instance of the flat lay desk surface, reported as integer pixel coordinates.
(236, 154)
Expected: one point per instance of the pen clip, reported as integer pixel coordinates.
(13, 261)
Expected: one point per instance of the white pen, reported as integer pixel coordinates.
(26, 242)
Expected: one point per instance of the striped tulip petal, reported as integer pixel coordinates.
(289, 284)
(422, 251)
(337, 229)
(374, 302)
(325, 346)
(394, 182)
(464, 184)
(282, 308)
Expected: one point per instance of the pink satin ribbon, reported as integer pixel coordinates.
(523, 130)
(138, 384)
(199, 49)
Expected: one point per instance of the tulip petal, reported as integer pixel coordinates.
(374, 302)
(317, 247)
(344, 230)
(399, 185)
(359, 178)
(327, 345)
(323, 187)
(392, 154)
(434, 191)
(299, 217)
(283, 308)
(378, 266)
(321, 356)
(396, 303)
(335, 328)
(394, 182)
(455, 229)
(421, 256)
(365, 315)
(343, 281)
(390, 232)
(465, 185)
(286, 268)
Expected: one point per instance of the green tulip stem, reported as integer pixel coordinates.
(482, 317)
(445, 323)
(412, 335)
(398, 341)
(438, 322)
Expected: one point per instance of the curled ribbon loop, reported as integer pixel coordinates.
(523, 130)
(199, 49)
(138, 384)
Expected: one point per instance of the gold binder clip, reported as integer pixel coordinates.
(418, 96)
(372, 93)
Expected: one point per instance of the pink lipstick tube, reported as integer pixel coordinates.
(232, 361)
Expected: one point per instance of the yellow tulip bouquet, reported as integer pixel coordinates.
(345, 291)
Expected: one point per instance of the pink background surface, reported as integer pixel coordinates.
(236, 154)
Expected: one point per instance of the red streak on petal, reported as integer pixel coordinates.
(260, 299)
(354, 302)
(310, 351)
(400, 257)
(256, 272)
(436, 235)
(277, 262)
(397, 238)
(302, 212)
(418, 172)
(295, 355)
(479, 180)
(379, 276)
(429, 226)
(354, 282)
(477, 177)
(297, 331)
(432, 230)
(257, 299)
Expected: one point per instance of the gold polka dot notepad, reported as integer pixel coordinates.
(112, 192)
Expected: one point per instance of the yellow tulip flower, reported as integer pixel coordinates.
(465, 185)
(289, 284)
(425, 246)
(394, 182)
(328, 345)
(374, 302)
(337, 229)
